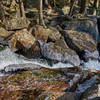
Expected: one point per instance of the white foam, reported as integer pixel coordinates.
(92, 64)
(7, 57)
(61, 65)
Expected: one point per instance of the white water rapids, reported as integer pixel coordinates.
(7, 58)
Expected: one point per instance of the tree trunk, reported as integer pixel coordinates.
(2, 15)
(72, 2)
(46, 3)
(84, 5)
(95, 7)
(22, 11)
(41, 21)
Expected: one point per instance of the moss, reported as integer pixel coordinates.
(21, 76)
(57, 83)
(48, 73)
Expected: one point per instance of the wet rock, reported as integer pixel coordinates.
(3, 33)
(54, 52)
(67, 96)
(82, 43)
(16, 23)
(88, 26)
(39, 83)
(92, 93)
(21, 39)
(42, 83)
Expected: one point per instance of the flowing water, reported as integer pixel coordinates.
(8, 58)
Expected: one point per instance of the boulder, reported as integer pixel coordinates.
(40, 33)
(3, 33)
(16, 23)
(53, 34)
(33, 52)
(82, 43)
(62, 43)
(53, 52)
(88, 26)
(49, 34)
(21, 39)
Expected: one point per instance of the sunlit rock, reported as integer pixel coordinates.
(49, 34)
(16, 23)
(21, 39)
(40, 33)
(3, 33)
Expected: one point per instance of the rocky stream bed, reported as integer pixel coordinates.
(60, 62)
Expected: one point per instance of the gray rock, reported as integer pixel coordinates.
(54, 52)
(82, 43)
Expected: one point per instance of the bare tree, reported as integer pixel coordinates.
(21, 5)
(46, 3)
(84, 5)
(41, 20)
(72, 2)
(2, 15)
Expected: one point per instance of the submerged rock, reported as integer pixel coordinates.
(16, 23)
(82, 43)
(54, 52)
